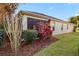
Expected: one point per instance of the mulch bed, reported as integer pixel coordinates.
(27, 49)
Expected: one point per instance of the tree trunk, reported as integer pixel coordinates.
(13, 28)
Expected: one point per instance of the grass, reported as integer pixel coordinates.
(68, 45)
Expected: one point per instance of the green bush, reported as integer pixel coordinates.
(30, 35)
(2, 37)
(1, 27)
(2, 34)
(74, 28)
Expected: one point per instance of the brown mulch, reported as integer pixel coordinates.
(26, 49)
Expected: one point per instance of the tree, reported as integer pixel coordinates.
(75, 20)
(12, 24)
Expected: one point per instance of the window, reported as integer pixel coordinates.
(53, 28)
(62, 27)
(67, 26)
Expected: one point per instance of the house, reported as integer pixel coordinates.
(58, 26)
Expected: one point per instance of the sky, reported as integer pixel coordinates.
(61, 11)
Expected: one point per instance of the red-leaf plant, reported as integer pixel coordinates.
(44, 30)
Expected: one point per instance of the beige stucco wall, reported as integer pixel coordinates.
(24, 22)
(52, 24)
(70, 27)
(65, 30)
(57, 26)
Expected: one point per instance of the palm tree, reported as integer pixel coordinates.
(12, 24)
(73, 20)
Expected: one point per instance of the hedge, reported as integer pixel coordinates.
(30, 35)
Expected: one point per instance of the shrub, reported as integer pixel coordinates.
(77, 29)
(1, 27)
(2, 37)
(74, 28)
(30, 35)
(2, 34)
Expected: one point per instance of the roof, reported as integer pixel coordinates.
(42, 15)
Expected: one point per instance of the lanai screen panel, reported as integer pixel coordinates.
(33, 22)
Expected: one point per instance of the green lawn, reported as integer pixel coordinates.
(68, 45)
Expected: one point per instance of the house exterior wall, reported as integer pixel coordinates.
(70, 27)
(52, 24)
(24, 22)
(25, 18)
(57, 26)
(65, 30)
(36, 18)
(67, 27)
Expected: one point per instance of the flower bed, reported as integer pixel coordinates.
(27, 49)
